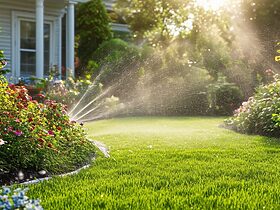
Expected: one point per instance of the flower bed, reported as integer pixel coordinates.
(38, 136)
(261, 113)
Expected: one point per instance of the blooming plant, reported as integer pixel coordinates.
(68, 91)
(36, 136)
(261, 113)
(17, 199)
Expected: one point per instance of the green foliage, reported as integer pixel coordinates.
(92, 28)
(161, 21)
(113, 58)
(38, 136)
(260, 114)
(165, 81)
(171, 163)
(3, 63)
(171, 85)
(66, 92)
(223, 97)
(277, 57)
(264, 16)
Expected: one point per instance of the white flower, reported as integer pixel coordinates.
(2, 142)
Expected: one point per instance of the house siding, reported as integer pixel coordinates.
(52, 9)
(5, 33)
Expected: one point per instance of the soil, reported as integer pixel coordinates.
(21, 177)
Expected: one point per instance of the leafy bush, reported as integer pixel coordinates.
(113, 57)
(116, 63)
(223, 97)
(151, 81)
(17, 199)
(66, 91)
(261, 113)
(38, 136)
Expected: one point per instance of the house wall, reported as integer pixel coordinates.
(54, 9)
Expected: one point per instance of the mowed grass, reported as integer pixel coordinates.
(171, 163)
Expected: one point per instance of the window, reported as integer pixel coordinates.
(28, 48)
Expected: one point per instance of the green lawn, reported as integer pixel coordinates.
(171, 163)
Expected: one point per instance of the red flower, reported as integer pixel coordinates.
(40, 95)
(12, 86)
(42, 141)
(51, 133)
(18, 133)
(50, 145)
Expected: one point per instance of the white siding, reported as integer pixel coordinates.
(5, 33)
(52, 8)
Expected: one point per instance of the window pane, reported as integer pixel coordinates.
(27, 64)
(28, 42)
(27, 35)
(47, 34)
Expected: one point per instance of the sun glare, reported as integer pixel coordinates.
(214, 5)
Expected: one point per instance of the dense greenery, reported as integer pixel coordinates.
(212, 37)
(38, 136)
(161, 82)
(261, 113)
(223, 97)
(175, 163)
(264, 16)
(66, 91)
(92, 28)
(3, 63)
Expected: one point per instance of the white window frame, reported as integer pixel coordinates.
(18, 16)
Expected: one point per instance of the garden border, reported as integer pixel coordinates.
(102, 147)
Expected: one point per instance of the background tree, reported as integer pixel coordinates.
(264, 15)
(92, 28)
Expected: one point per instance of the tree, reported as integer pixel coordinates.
(92, 28)
(264, 15)
(161, 21)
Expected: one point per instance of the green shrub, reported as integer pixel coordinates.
(114, 58)
(66, 91)
(162, 81)
(223, 97)
(261, 113)
(37, 136)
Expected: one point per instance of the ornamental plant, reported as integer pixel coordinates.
(38, 136)
(223, 97)
(17, 199)
(68, 91)
(261, 113)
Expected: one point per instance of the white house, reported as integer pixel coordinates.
(31, 35)
(116, 27)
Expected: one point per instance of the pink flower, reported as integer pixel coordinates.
(51, 133)
(2, 142)
(18, 133)
(40, 95)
